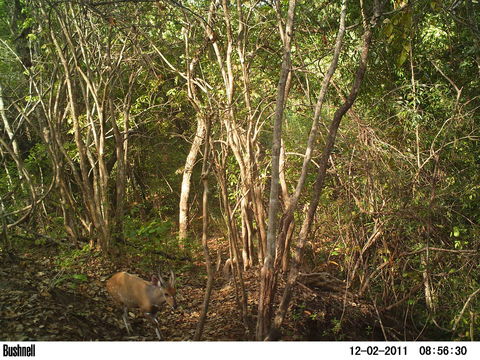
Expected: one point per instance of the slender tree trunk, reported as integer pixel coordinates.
(187, 176)
(121, 149)
(206, 251)
(121, 180)
(85, 183)
(9, 131)
(321, 174)
(234, 262)
(293, 200)
(196, 143)
(267, 274)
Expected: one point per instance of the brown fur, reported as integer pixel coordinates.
(130, 291)
(133, 292)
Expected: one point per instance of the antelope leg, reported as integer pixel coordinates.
(156, 324)
(125, 321)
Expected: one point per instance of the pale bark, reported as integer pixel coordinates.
(206, 251)
(322, 170)
(89, 79)
(8, 128)
(242, 137)
(234, 260)
(186, 178)
(192, 84)
(283, 244)
(267, 280)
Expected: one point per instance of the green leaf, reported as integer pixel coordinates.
(80, 277)
(456, 231)
(403, 56)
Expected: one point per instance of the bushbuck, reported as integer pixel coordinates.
(130, 291)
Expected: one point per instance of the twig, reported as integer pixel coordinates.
(472, 295)
(380, 319)
(405, 298)
(441, 249)
(307, 288)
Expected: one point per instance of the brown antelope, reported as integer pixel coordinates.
(130, 291)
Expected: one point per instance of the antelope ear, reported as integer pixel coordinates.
(155, 281)
(172, 278)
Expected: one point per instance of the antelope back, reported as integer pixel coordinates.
(133, 292)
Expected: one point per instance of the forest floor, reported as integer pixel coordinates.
(43, 298)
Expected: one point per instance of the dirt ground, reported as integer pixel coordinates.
(40, 301)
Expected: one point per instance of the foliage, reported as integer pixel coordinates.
(100, 102)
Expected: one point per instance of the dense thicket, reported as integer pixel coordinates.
(344, 133)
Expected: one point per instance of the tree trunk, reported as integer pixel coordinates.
(187, 176)
(267, 281)
(206, 251)
(286, 225)
(322, 170)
